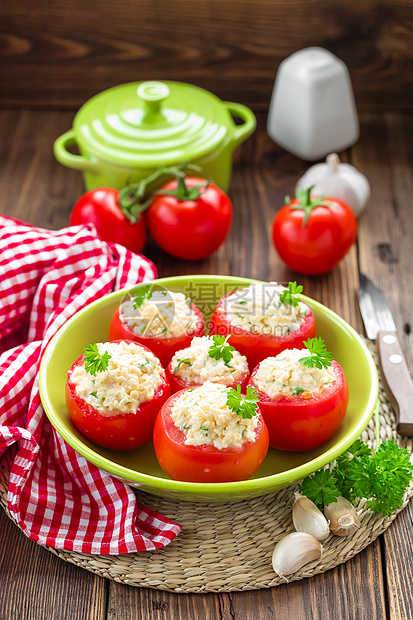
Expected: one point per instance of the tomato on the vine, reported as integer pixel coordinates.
(101, 207)
(313, 234)
(189, 217)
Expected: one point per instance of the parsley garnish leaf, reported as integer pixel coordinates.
(387, 474)
(287, 297)
(321, 487)
(381, 477)
(95, 361)
(345, 470)
(245, 406)
(142, 294)
(359, 448)
(221, 349)
(320, 357)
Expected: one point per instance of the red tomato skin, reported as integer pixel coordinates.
(190, 229)
(177, 383)
(321, 244)
(118, 432)
(163, 348)
(100, 207)
(257, 347)
(205, 463)
(298, 425)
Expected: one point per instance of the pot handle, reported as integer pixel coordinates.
(77, 162)
(241, 132)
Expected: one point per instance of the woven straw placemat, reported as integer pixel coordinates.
(228, 546)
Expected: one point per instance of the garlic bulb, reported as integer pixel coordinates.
(338, 180)
(343, 517)
(294, 551)
(308, 518)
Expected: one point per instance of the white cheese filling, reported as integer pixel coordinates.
(204, 417)
(163, 315)
(258, 309)
(132, 377)
(194, 365)
(284, 375)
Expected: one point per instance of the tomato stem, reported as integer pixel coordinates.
(306, 203)
(183, 192)
(135, 198)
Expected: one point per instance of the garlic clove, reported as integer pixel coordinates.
(295, 551)
(308, 518)
(344, 520)
(338, 180)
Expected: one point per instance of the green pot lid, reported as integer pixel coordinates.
(150, 124)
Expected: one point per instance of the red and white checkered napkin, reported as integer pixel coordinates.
(56, 496)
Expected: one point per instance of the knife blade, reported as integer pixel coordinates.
(380, 326)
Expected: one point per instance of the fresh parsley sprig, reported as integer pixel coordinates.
(320, 487)
(94, 361)
(381, 477)
(320, 357)
(288, 296)
(221, 349)
(141, 295)
(245, 406)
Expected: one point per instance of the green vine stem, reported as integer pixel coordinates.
(135, 198)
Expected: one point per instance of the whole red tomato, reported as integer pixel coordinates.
(204, 463)
(297, 424)
(100, 207)
(313, 234)
(120, 431)
(191, 219)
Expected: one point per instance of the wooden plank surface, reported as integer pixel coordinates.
(58, 54)
(386, 244)
(374, 584)
(36, 584)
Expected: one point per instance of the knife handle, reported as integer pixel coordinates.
(398, 380)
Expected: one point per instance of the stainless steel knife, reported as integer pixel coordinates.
(380, 326)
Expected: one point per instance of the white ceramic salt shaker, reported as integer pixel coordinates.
(312, 111)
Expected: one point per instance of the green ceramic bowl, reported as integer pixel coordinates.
(139, 468)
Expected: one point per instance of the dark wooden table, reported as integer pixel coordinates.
(377, 583)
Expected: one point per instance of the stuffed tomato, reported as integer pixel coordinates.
(208, 358)
(263, 320)
(210, 434)
(162, 320)
(114, 392)
(303, 405)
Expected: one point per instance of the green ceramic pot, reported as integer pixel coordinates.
(125, 133)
